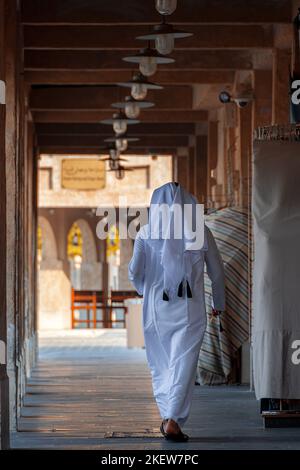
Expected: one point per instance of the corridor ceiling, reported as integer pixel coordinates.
(73, 53)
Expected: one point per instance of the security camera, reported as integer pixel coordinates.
(242, 102)
(225, 97)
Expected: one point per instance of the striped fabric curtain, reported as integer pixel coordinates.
(225, 335)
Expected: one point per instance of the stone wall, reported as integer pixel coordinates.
(137, 186)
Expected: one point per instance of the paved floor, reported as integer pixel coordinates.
(90, 392)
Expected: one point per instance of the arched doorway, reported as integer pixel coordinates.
(85, 270)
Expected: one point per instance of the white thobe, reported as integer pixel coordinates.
(174, 329)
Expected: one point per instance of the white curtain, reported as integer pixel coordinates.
(276, 275)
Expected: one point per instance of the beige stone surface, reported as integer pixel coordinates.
(91, 276)
(134, 325)
(137, 186)
(54, 292)
(126, 249)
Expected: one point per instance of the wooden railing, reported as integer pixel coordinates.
(92, 309)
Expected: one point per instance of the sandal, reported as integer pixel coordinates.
(178, 437)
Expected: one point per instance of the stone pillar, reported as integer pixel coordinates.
(191, 154)
(174, 168)
(4, 388)
(244, 151)
(105, 275)
(201, 168)
(126, 249)
(281, 86)
(262, 104)
(54, 286)
(183, 167)
(191, 165)
(212, 157)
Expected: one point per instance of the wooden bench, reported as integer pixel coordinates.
(112, 309)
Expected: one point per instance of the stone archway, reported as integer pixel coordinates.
(49, 245)
(91, 268)
(89, 252)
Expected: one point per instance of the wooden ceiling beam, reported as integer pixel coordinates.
(49, 150)
(141, 129)
(152, 116)
(112, 60)
(90, 98)
(87, 141)
(74, 77)
(124, 37)
(143, 12)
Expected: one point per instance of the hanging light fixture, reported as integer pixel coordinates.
(121, 144)
(164, 35)
(114, 159)
(114, 153)
(121, 141)
(139, 85)
(166, 7)
(120, 122)
(114, 164)
(119, 170)
(132, 107)
(148, 59)
(139, 91)
(110, 159)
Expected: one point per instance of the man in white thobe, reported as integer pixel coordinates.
(170, 276)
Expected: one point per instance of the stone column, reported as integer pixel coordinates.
(212, 158)
(182, 159)
(262, 104)
(244, 151)
(4, 388)
(281, 86)
(201, 168)
(126, 249)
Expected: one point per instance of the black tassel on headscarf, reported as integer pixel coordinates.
(188, 290)
(165, 296)
(180, 289)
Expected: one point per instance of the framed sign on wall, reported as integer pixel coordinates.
(83, 174)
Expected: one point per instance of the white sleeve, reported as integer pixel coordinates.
(136, 267)
(215, 271)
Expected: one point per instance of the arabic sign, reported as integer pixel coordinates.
(82, 174)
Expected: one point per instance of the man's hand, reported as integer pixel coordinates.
(216, 313)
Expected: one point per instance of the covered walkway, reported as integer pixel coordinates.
(98, 396)
(61, 64)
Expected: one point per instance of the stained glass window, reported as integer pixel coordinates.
(74, 242)
(112, 242)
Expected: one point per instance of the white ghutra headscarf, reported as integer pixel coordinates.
(174, 219)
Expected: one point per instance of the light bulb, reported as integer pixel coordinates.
(113, 165)
(138, 91)
(120, 126)
(122, 144)
(148, 66)
(132, 110)
(166, 7)
(164, 43)
(114, 153)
